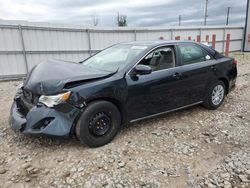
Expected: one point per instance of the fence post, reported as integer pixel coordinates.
(135, 37)
(198, 38)
(207, 38)
(227, 45)
(242, 41)
(213, 40)
(23, 48)
(177, 38)
(223, 41)
(89, 42)
(172, 34)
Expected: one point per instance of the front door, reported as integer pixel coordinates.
(156, 92)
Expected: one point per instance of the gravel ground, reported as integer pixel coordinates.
(194, 147)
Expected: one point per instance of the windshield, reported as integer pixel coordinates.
(115, 57)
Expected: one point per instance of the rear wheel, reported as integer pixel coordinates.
(98, 124)
(215, 95)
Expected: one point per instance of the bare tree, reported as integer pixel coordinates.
(121, 20)
(95, 20)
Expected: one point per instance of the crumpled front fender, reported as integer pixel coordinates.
(44, 121)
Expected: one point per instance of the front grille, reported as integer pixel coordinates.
(26, 101)
(21, 107)
(30, 97)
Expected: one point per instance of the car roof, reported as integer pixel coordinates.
(157, 42)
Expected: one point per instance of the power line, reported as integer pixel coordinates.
(179, 20)
(206, 15)
(228, 12)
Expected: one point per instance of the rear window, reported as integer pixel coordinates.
(191, 53)
(212, 51)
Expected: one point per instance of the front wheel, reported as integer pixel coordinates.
(98, 124)
(215, 95)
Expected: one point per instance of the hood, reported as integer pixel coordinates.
(50, 77)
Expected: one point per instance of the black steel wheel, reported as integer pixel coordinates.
(98, 124)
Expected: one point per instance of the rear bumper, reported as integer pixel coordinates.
(232, 77)
(43, 121)
(232, 85)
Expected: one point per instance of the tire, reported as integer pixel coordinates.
(212, 102)
(98, 124)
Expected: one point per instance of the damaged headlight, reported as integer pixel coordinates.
(19, 90)
(53, 100)
(19, 87)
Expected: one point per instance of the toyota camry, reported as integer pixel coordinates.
(127, 82)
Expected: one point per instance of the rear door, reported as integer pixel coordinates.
(198, 69)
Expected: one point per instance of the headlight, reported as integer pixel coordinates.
(53, 100)
(19, 90)
(19, 86)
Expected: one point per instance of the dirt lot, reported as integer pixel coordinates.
(190, 148)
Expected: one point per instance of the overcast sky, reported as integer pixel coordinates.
(139, 12)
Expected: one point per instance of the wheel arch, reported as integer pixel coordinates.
(226, 82)
(117, 103)
(114, 101)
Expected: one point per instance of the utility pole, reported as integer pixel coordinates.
(228, 12)
(206, 15)
(95, 19)
(179, 20)
(118, 18)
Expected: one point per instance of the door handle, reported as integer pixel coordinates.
(213, 67)
(177, 75)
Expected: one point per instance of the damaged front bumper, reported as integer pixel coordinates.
(43, 121)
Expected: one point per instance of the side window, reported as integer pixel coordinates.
(162, 58)
(192, 54)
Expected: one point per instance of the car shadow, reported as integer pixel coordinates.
(175, 114)
(55, 143)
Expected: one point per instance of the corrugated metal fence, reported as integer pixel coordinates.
(23, 46)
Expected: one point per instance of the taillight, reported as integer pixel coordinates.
(235, 62)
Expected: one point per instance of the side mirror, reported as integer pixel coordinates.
(142, 69)
(208, 57)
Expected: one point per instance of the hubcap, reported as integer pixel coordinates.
(100, 124)
(217, 94)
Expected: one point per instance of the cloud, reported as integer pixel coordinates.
(139, 12)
